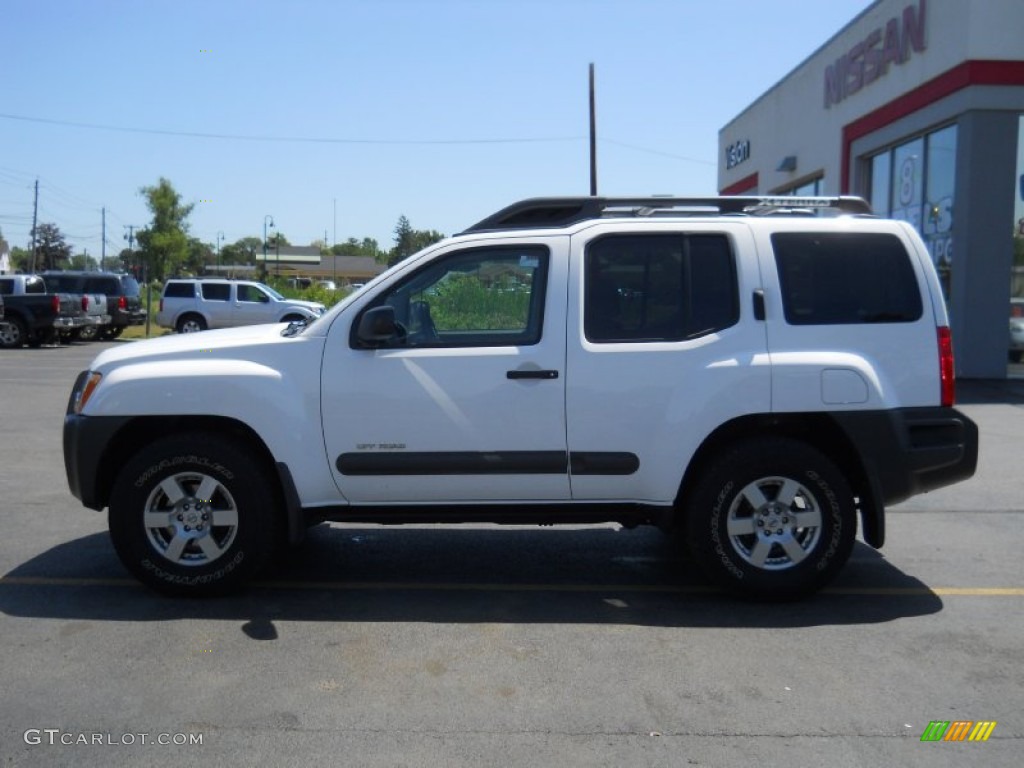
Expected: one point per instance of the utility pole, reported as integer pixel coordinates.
(130, 237)
(35, 211)
(103, 241)
(593, 136)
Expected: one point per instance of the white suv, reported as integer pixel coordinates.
(741, 371)
(195, 305)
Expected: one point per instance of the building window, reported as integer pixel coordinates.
(915, 182)
(1016, 350)
(807, 189)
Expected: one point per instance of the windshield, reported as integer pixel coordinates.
(271, 291)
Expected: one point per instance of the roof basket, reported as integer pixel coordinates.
(555, 212)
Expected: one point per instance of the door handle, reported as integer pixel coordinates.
(536, 374)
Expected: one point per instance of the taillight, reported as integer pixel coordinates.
(55, 303)
(85, 303)
(946, 375)
(122, 302)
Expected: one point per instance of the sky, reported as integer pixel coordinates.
(335, 118)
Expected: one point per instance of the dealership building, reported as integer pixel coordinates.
(918, 106)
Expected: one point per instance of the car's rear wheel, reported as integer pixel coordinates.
(194, 514)
(772, 519)
(191, 324)
(111, 332)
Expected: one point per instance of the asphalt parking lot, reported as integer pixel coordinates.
(457, 646)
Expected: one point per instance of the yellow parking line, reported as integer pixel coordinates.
(355, 586)
(58, 581)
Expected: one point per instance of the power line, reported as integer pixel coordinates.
(656, 152)
(292, 139)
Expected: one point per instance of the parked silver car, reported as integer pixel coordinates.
(190, 305)
(1016, 330)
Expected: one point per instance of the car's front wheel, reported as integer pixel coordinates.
(194, 514)
(772, 519)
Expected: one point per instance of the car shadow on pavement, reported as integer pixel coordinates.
(444, 574)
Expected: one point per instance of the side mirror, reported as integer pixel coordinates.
(377, 327)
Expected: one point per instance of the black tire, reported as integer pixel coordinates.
(86, 333)
(771, 519)
(111, 332)
(12, 333)
(194, 514)
(191, 323)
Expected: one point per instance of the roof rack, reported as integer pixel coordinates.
(555, 212)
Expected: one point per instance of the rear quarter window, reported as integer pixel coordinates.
(839, 278)
(129, 285)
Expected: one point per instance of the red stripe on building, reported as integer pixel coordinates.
(972, 72)
(745, 184)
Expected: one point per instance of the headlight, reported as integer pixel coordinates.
(86, 385)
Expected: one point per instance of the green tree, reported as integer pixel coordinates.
(164, 243)
(200, 254)
(52, 252)
(127, 260)
(21, 259)
(242, 251)
(408, 240)
(84, 261)
(366, 247)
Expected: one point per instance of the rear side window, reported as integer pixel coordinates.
(179, 290)
(64, 283)
(108, 285)
(216, 291)
(839, 278)
(644, 288)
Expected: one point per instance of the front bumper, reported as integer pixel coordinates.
(86, 440)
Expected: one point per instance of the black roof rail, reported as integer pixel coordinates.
(555, 212)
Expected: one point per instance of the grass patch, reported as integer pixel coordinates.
(137, 332)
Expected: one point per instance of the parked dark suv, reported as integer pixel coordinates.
(124, 302)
